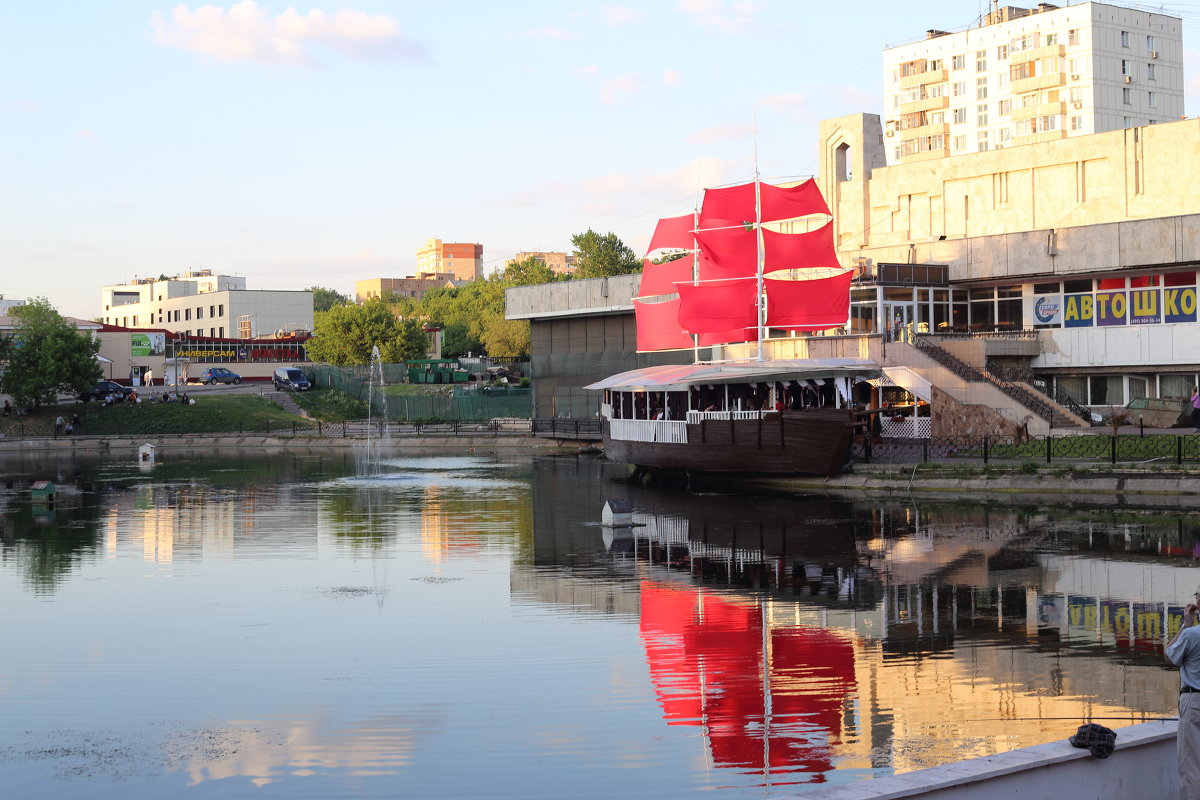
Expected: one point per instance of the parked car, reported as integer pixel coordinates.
(104, 388)
(215, 375)
(291, 379)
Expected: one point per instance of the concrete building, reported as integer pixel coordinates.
(6, 305)
(1031, 75)
(559, 263)
(200, 303)
(410, 287)
(464, 261)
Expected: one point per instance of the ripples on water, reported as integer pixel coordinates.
(465, 627)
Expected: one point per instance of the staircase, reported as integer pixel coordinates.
(287, 402)
(1017, 402)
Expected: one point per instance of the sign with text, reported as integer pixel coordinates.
(1047, 310)
(1179, 304)
(147, 344)
(1112, 308)
(1078, 310)
(1144, 306)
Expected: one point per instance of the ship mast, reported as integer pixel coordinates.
(758, 244)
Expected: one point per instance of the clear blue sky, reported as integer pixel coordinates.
(322, 144)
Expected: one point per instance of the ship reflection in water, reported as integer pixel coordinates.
(813, 640)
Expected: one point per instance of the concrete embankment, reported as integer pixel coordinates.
(1085, 485)
(203, 444)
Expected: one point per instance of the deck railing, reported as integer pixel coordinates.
(649, 430)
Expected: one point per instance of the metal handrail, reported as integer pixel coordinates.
(1022, 334)
(927, 345)
(1019, 374)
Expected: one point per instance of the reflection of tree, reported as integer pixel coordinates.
(50, 542)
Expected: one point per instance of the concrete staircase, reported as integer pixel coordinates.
(1018, 403)
(287, 402)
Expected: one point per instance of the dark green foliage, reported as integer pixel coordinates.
(45, 356)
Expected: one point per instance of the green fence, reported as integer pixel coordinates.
(448, 403)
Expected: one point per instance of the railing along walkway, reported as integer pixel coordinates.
(929, 346)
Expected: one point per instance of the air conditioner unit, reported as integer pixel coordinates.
(1074, 76)
(1154, 54)
(890, 133)
(1128, 79)
(1077, 105)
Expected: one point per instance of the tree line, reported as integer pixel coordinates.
(471, 317)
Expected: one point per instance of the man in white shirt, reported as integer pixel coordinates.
(1184, 652)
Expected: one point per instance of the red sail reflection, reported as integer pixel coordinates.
(709, 668)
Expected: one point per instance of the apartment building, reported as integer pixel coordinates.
(559, 263)
(412, 288)
(200, 303)
(463, 261)
(1031, 75)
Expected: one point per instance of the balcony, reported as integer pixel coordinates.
(1038, 53)
(941, 129)
(921, 78)
(1034, 138)
(928, 155)
(1042, 110)
(927, 104)
(1047, 81)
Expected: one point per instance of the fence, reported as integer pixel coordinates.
(448, 403)
(1165, 449)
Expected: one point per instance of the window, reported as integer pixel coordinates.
(960, 88)
(1127, 122)
(935, 65)
(1126, 67)
(1051, 39)
(1076, 123)
(937, 118)
(958, 62)
(1001, 52)
(1127, 96)
(1073, 36)
(983, 141)
(1005, 107)
(981, 115)
(199, 312)
(187, 314)
(1149, 44)
(1125, 39)
(1005, 135)
(221, 310)
(1021, 71)
(1152, 99)
(981, 61)
(212, 311)
(981, 88)
(1150, 72)
(1076, 94)
(960, 114)
(960, 142)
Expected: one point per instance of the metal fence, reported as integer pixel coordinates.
(444, 403)
(1163, 449)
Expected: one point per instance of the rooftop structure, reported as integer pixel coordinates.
(559, 263)
(1031, 75)
(412, 288)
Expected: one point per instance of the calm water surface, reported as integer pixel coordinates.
(464, 627)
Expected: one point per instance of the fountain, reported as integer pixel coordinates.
(376, 441)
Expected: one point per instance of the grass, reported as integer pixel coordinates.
(210, 414)
(331, 405)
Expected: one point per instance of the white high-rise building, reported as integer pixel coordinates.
(1031, 75)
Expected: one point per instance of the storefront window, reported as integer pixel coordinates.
(1106, 390)
(1176, 386)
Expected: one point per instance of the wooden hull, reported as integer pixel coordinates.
(812, 442)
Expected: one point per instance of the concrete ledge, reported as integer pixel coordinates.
(199, 443)
(1143, 765)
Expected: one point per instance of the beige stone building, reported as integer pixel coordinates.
(559, 263)
(1031, 75)
(410, 287)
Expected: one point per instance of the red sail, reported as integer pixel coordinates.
(661, 278)
(718, 306)
(810, 305)
(778, 203)
(672, 233)
(735, 336)
(800, 250)
(728, 253)
(658, 327)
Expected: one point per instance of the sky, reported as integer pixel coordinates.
(320, 144)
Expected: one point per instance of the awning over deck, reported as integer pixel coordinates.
(679, 377)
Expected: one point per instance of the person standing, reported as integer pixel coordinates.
(148, 374)
(58, 426)
(1184, 652)
(1196, 409)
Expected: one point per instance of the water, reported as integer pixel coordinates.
(455, 626)
(377, 444)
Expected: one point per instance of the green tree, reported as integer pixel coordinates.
(46, 356)
(325, 299)
(600, 256)
(528, 271)
(506, 337)
(346, 334)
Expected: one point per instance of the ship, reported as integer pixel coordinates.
(722, 278)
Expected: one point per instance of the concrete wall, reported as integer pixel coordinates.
(1096, 348)
(1143, 765)
(590, 296)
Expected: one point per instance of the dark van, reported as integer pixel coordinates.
(291, 379)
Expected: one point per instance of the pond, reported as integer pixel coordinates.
(462, 626)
